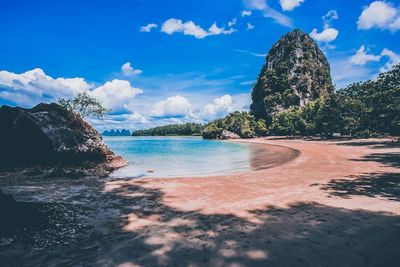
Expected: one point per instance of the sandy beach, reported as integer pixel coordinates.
(319, 203)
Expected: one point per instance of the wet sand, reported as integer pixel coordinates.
(321, 204)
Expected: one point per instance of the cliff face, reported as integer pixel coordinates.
(296, 71)
(49, 136)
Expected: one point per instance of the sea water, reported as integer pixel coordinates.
(178, 156)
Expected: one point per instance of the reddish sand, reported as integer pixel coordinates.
(335, 204)
(296, 181)
(318, 203)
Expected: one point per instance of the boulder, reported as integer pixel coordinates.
(228, 135)
(50, 136)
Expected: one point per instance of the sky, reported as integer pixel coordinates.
(158, 62)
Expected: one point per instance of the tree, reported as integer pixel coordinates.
(174, 129)
(241, 123)
(84, 105)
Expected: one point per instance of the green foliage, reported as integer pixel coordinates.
(288, 122)
(296, 71)
(175, 129)
(241, 123)
(84, 104)
(365, 109)
(212, 131)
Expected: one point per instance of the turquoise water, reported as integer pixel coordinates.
(178, 156)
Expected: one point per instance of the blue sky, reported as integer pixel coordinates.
(160, 62)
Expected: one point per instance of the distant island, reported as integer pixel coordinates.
(123, 132)
(187, 129)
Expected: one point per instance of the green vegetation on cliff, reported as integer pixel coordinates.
(362, 109)
(295, 73)
(175, 129)
(241, 123)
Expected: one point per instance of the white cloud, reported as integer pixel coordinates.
(329, 34)
(326, 36)
(268, 12)
(246, 13)
(329, 17)
(116, 95)
(362, 58)
(381, 15)
(34, 86)
(220, 107)
(345, 73)
(128, 70)
(249, 26)
(172, 26)
(289, 5)
(148, 27)
(136, 117)
(251, 53)
(176, 106)
(393, 59)
(232, 22)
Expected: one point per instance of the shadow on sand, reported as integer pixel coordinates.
(385, 185)
(131, 226)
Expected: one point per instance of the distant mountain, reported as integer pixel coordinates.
(296, 72)
(122, 132)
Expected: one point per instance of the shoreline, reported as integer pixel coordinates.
(319, 162)
(337, 203)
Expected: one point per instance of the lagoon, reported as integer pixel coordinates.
(179, 156)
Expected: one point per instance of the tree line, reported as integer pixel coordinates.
(174, 129)
(364, 109)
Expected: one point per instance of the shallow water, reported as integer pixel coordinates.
(179, 156)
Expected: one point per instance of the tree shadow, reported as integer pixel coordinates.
(388, 159)
(385, 185)
(131, 226)
(372, 144)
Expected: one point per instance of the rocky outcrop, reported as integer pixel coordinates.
(296, 72)
(224, 135)
(52, 138)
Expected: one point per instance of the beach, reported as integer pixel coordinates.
(319, 203)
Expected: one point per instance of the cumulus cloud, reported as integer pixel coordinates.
(249, 26)
(268, 12)
(328, 34)
(289, 5)
(148, 27)
(362, 57)
(34, 86)
(176, 106)
(116, 95)
(128, 70)
(394, 59)
(246, 13)
(220, 107)
(381, 15)
(172, 26)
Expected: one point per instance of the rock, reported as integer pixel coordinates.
(17, 215)
(55, 139)
(296, 72)
(228, 135)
